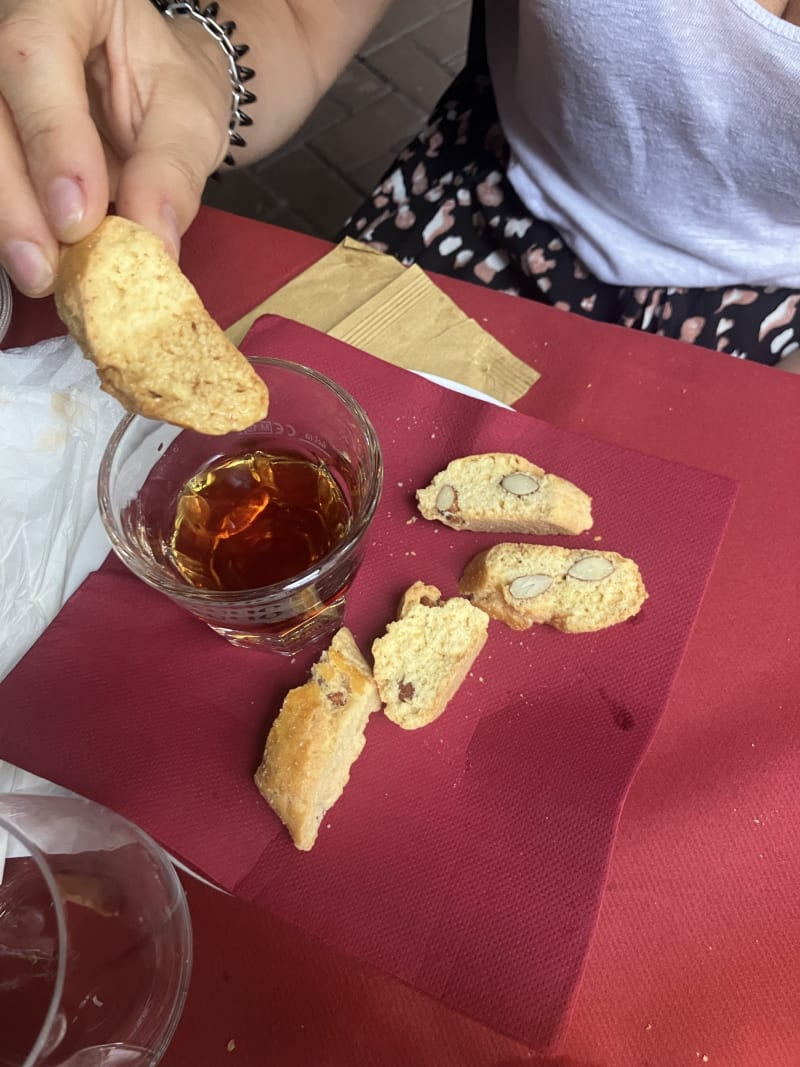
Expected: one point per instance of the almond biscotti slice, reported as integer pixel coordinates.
(142, 323)
(576, 590)
(501, 492)
(426, 653)
(316, 738)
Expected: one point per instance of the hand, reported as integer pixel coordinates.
(102, 101)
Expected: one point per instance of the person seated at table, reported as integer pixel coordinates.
(628, 161)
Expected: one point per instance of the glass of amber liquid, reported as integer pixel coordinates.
(258, 533)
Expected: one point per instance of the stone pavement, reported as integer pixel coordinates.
(378, 104)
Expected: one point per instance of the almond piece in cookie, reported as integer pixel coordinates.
(576, 590)
(426, 653)
(502, 492)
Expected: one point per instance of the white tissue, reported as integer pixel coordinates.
(55, 423)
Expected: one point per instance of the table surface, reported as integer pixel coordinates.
(696, 956)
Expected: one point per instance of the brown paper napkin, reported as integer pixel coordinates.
(398, 314)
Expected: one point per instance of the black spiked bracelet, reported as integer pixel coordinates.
(221, 32)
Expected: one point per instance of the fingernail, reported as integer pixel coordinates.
(29, 267)
(172, 235)
(66, 205)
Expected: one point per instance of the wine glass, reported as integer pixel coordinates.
(95, 938)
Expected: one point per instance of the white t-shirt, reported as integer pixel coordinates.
(660, 137)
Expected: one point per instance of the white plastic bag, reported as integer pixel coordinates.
(54, 425)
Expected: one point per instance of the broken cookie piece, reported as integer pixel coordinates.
(316, 738)
(426, 653)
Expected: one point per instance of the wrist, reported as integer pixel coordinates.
(216, 38)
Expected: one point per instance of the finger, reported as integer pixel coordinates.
(154, 190)
(178, 147)
(28, 250)
(42, 81)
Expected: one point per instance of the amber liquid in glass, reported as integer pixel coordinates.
(261, 517)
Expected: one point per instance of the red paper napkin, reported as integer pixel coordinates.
(467, 858)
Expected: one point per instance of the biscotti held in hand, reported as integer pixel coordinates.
(157, 350)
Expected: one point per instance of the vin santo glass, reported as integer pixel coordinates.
(258, 533)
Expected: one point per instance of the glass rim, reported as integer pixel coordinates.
(40, 860)
(166, 584)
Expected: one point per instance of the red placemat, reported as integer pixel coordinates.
(467, 858)
(264, 992)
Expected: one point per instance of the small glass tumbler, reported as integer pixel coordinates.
(95, 938)
(313, 421)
